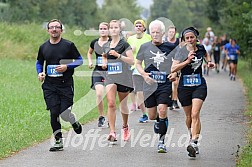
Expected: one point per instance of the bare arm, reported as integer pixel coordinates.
(177, 66)
(129, 59)
(104, 61)
(145, 75)
(89, 56)
(208, 60)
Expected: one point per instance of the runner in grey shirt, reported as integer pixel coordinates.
(157, 75)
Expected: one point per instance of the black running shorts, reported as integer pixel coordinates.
(162, 95)
(186, 95)
(97, 78)
(55, 94)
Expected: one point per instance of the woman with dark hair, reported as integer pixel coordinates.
(98, 73)
(192, 88)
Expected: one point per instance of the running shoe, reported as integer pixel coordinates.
(175, 104)
(197, 149)
(171, 107)
(161, 147)
(126, 134)
(58, 146)
(77, 127)
(143, 119)
(133, 107)
(112, 137)
(101, 121)
(192, 150)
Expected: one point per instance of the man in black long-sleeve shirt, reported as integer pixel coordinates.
(58, 86)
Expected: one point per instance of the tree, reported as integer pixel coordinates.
(70, 12)
(180, 14)
(117, 9)
(23, 10)
(78, 13)
(235, 18)
(159, 9)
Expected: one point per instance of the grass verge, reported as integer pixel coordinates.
(244, 72)
(24, 120)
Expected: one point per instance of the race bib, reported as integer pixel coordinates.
(115, 68)
(99, 61)
(51, 71)
(160, 77)
(232, 57)
(216, 48)
(192, 80)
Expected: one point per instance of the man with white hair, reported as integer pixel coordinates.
(157, 75)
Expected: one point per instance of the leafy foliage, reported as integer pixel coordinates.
(117, 9)
(234, 18)
(183, 13)
(78, 13)
(84, 13)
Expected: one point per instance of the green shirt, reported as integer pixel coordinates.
(136, 43)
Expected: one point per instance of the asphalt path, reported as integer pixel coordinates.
(223, 133)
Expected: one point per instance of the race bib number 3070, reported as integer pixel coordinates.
(192, 80)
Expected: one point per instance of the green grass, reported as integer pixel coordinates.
(22, 41)
(23, 114)
(244, 71)
(24, 121)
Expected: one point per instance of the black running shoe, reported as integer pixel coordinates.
(58, 146)
(171, 108)
(175, 104)
(77, 127)
(191, 150)
(101, 121)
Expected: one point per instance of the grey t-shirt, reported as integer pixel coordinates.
(118, 71)
(156, 58)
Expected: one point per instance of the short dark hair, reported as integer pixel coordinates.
(54, 20)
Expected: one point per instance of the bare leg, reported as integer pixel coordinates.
(111, 98)
(99, 89)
